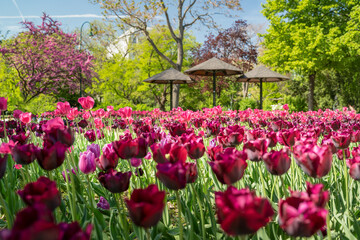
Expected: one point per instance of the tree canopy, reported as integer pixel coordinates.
(304, 37)
(47, 60)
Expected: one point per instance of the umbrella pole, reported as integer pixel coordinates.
(261, 93)
(171, 95)
(214, 89)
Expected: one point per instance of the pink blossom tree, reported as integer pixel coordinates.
(47, 60)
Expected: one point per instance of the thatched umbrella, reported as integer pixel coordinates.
(214, 67)
(262, 74)
(171, 76)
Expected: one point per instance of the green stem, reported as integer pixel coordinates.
(201, 212)
(148, 235)
(328, 224)
(346, 182)
(91, 194)
(283, 186)
(179, 215)
(121, 215)
(7, 215)
(262, 179)
(73, 214)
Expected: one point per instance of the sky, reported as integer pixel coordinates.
(72, 13)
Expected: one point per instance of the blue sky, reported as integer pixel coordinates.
(72, 13)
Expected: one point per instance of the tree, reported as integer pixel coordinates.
(232, 45)
(47, 60)
(303, 37)
(142, 14)
(120, 77)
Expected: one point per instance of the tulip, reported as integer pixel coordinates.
(52, 157)
(34, 222)
(287, 137)
(98, 123)
(240, 212)
(87, 103)
(213, 150)
(103, 203)
(177, 129)
(165, 152)
(314, 160)
(272, 139)
(354, 165)
(3, 162)
(25, 117)
(87, 162)
(146, 206)
(3, 104)
(55, 123)
(256, 149)
(173, 175)
(109, 159)
(130, 148)
(24, 154)
(299, 217)
(340, 153)
(83, 123)
(229, 167)
(64, 136)
(341, 140)
(115, 182)
(277, 162)
(63, 107)
(73, 231)
(17, 113)
(43, 191)
(191, 172)
(195, 147)
(94, 148)
(317, 195)
(20, 138)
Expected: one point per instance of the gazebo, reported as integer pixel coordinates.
(170, 76)
(262, 74)
(214, 67)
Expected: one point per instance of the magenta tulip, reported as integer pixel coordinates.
(240, 212)
(277, 162)
(87, 103)
(115, 182)
(229, 167)
(146, 206)
(43, 191)
(3, 104)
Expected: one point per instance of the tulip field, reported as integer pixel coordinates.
(79, 173)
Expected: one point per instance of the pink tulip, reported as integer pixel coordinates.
(25, 118)
(86, 102)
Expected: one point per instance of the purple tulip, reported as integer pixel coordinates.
(103, 203)
(87, 162)
(115, 182)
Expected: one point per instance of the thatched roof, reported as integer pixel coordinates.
(169, 75)
(264, 73)
(212, 65)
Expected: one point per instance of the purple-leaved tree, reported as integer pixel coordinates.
(47, 60)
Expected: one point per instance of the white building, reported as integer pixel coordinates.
(122, 44)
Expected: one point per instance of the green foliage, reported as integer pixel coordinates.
(310, 37)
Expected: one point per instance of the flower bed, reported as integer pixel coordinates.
(211, 174)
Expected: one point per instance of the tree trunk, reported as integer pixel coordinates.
(245, 89)
(311, 100)
(180, 56)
